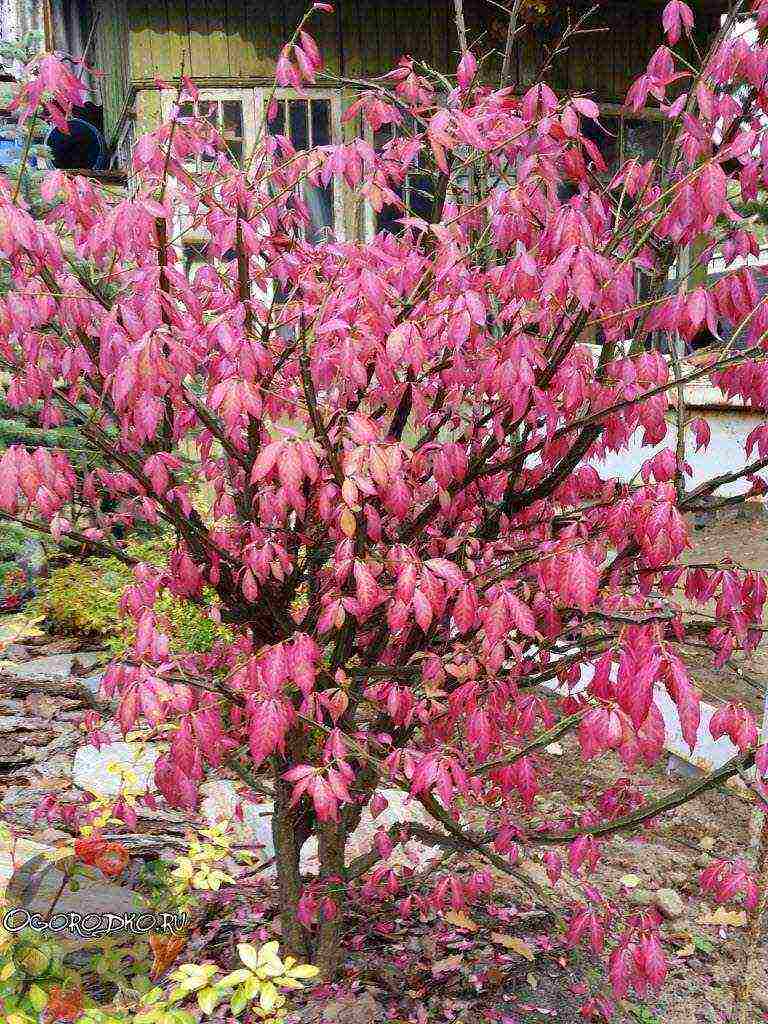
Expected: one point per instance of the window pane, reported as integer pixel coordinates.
(277, 124)
(420, 198)
(236, 149)
(298, 123)
(187, 109)
(232, 119)
(387, 220)
(209, 109)
(321, 122)
(320, 205)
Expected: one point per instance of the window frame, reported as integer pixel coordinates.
(334, 97)
(254, 100)
(249, 98)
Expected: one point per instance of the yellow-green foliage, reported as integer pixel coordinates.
(83, 598)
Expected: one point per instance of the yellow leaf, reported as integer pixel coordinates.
(460, 920)
(349, 492)
(303, 971)
(269, 997)
(630, 881)
(722, 918)
(687, 950)
(348, 523)
(249, 955)
(516, 945)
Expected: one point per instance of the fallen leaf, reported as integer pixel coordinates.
(460, 920)
(630, 881)
(688, 950)
(494, 978)
(53, 783)
(448, 963)
(165, 951)
(532, 980)
(722, 917)
(707, 843)
(516, 945)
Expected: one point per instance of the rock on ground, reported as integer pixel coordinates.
(670, 903)
(52, 666)
(30, 880)
(100, 771)
(253, 823)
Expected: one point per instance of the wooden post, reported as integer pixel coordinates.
(461, 27)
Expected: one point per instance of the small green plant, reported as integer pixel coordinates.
(37, 985)
(643, 1015)
(702, 945)
(83, 598)
(200, 869)
(256, 984)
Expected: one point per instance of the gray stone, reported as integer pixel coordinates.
(362, 1009)
(33, 878)
(92, 682)
(52, 666)
(669, 903)
(99, 771)
(254, 824)
(16, 652)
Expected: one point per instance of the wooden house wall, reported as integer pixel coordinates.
(112, 58)
(228, 40)
(237, 41)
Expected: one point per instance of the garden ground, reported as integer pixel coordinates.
(502, 962)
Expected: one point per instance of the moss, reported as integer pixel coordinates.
(83, 599)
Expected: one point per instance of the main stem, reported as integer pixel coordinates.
(333, 841)
(287, 853)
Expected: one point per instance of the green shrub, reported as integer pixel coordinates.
(14, 540)
(83, 598)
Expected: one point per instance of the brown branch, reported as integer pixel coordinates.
(461, 27)
(680, 796)
(76, 538)
(506, 67)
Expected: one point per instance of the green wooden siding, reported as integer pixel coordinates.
(237, 41)
(112, 58)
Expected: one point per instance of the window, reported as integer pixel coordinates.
(313, 119)
(227, 112)
(309, 121)
(417, 190)
(233, 112)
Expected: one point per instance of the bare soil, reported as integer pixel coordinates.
(457, 968)
(739, 538)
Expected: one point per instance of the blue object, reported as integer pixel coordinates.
(83, 147)
(11, 151)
